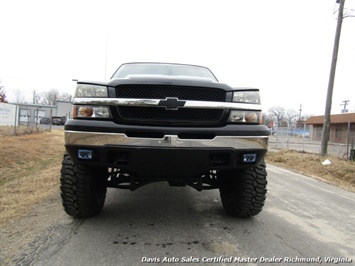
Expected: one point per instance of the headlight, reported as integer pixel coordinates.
(245, 117)
(85, 111)
(246, 97)
(87, 90)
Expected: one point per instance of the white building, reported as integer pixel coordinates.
(32, 113)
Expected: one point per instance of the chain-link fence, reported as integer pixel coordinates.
(15, 120)
(308, 139)
(28, 128)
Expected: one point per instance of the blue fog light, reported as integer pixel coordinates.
(85, 154)
(249, 158)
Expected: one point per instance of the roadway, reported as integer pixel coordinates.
(303, 218)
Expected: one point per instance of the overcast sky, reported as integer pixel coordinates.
(282, 47)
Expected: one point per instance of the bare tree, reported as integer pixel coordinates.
(291, 116)
(268, 119)
(50, 97)
(19, 97)
(65, 96)
(37, 98)
(2, 93)
(53, 95)
(278, 113)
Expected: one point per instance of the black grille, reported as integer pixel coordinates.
(161, 92)
(163, 115)
(160, 115)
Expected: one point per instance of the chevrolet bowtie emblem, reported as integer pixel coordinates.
(171, 103)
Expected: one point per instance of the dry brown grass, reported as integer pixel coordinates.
(21, 130)
(340, 172)
(29, 171)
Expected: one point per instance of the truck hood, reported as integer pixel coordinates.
(162, 80)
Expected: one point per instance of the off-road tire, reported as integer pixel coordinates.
(243, 192)
(83, 190)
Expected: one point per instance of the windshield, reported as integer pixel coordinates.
(163, 69)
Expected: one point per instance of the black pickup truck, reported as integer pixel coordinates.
(164, 122)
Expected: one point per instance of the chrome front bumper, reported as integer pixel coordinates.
(79, 138)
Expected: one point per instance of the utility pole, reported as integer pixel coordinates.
(328, 104)
(299, 118)
(34, 97)
(345, 103)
